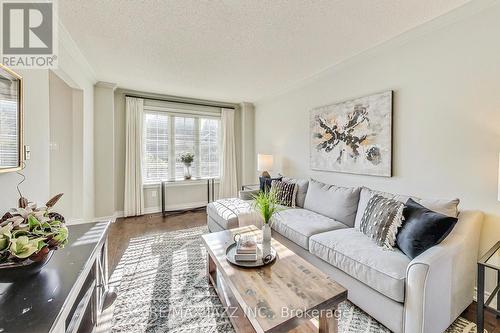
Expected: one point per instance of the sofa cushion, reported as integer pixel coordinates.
(443, 206)
(302, 184)
(352, 252)
(338, 203)
(299, 224)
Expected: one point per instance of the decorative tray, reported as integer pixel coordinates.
(261, 259)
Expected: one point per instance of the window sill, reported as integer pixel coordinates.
(179, 182)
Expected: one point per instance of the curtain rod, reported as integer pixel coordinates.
(216, 105)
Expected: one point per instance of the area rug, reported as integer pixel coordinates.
(162, 287)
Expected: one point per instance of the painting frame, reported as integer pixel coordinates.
(382, 139)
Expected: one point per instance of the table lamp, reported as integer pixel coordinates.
(265, 164)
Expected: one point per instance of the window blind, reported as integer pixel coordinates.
(185, 142)
(209, 147)
(156, 146)
(9, 124)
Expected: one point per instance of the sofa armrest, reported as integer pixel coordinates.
(428, 291)
(440, 281)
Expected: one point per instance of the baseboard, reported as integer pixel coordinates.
(149, 210)
(189, 205)
(157, 209)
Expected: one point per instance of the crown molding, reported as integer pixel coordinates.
(108, 85)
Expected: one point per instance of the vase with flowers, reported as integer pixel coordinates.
(187, 159)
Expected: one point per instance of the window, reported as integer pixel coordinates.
(9, 144)
(169, 135)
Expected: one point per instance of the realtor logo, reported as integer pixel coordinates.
(29, 34)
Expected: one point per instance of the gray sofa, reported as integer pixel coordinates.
(422, 295)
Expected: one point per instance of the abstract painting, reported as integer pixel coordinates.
(354, 136)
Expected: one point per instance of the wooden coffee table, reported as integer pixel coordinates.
(281, 297)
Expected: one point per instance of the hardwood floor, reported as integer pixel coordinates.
(491, 322)
(125, 229)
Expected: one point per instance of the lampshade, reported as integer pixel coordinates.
(498, 177)
(264, 162)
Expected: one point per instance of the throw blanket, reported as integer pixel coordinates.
(243, 210)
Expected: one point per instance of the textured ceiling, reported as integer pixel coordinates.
(232, 50)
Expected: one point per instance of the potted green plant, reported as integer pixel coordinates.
(267, 205)
(28, 237)
(187, 159)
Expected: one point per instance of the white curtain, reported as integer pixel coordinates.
(228, 187)
(134, 195)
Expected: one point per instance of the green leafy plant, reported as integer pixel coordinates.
(187, 158)
(31, 232)
(266, 203)
(23, 247)
(5, 236)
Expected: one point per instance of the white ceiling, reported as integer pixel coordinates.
(232, 50)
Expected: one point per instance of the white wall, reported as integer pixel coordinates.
(446, 79)
(247, 135)
(119, 129)
(61, 143)
(36, 129)
(78, 180)
(75, 71)
(104, 150)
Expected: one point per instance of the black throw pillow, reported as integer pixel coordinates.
(422, 229)
(265, 183)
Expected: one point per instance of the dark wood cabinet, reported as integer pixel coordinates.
(68, 294)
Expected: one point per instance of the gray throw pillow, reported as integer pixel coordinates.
(381, 220)
(338, 203)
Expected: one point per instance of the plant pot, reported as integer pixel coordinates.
(15, 271)
(187, 171)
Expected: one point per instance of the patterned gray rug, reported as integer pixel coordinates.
(163, 288)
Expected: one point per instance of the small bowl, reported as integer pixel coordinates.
(15, 271)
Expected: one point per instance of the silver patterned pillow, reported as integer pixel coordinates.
(382, 219)
(285, 192)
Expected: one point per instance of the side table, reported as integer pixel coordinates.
(248, 191)
(490, 260)
(163, 194)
